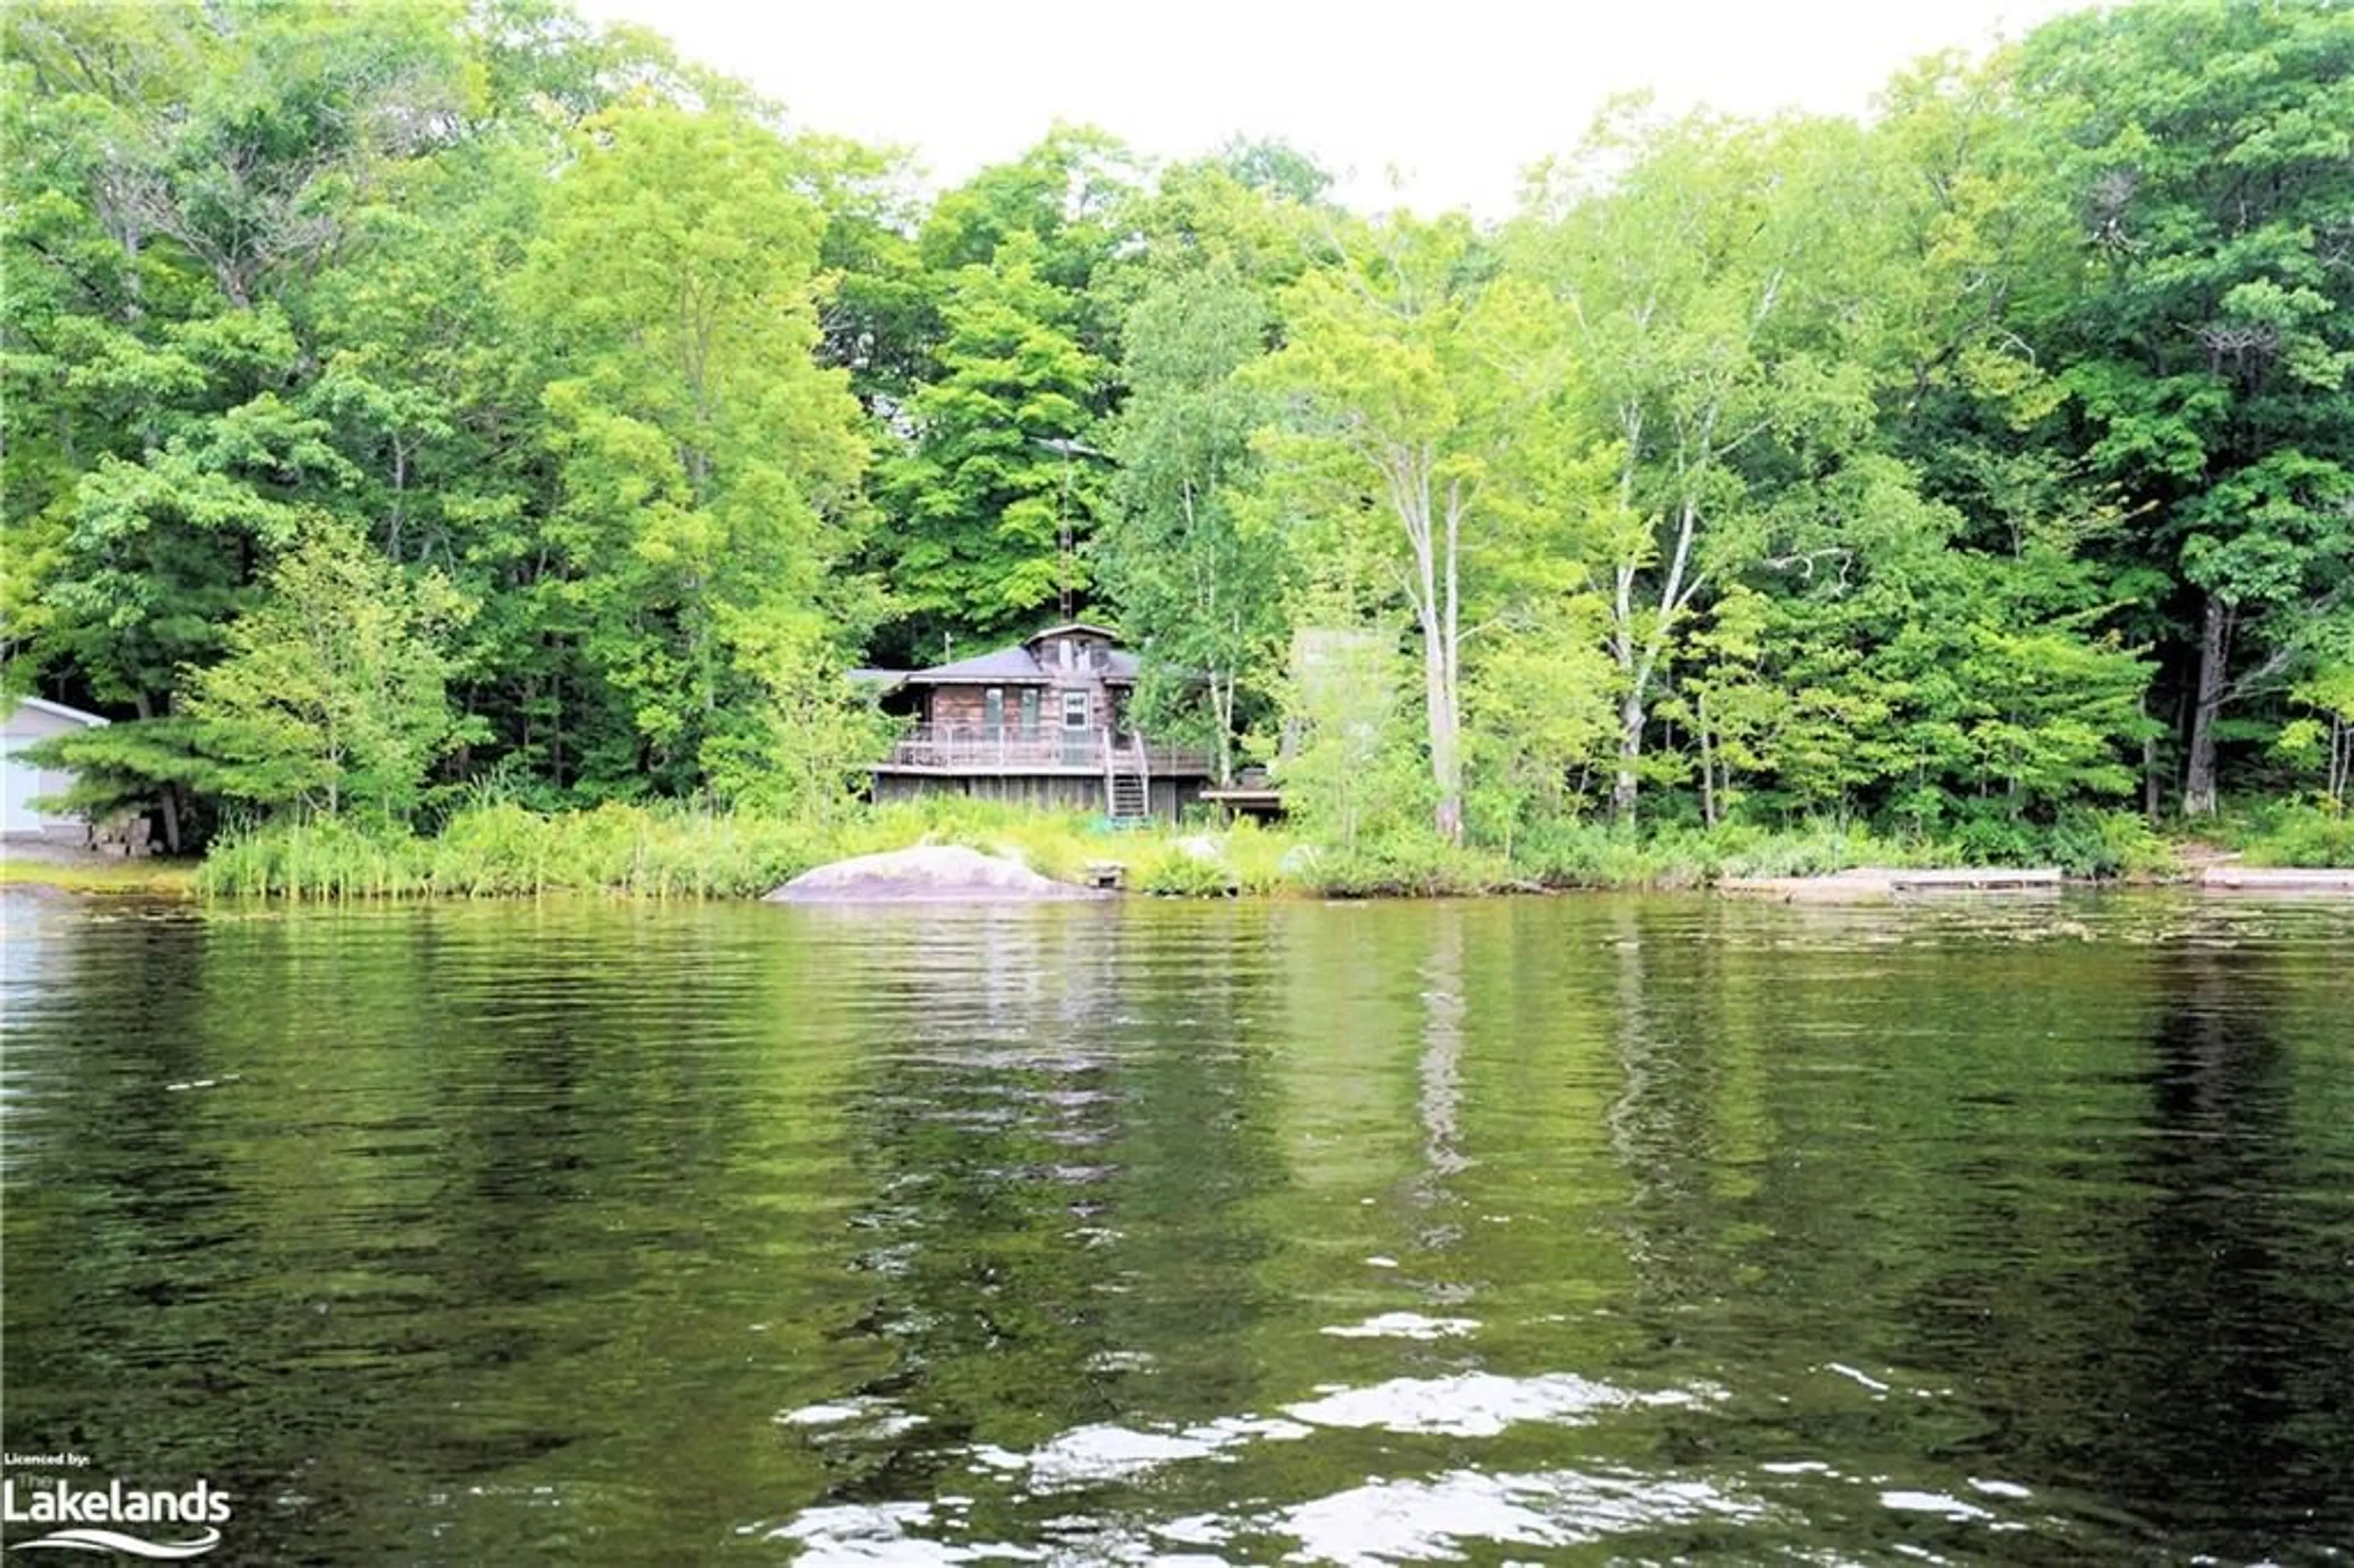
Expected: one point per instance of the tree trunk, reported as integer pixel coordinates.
(171, 803)
(1631, 748)
(1446, 757)
(1222, 711)
(2214, 650)
(1437, 541)
(1707, 765)
(168, 800)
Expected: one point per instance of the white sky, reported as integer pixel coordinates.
(1459, 96)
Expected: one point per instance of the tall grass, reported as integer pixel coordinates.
(494, 847)
(497, 848)
(140, 878)
(501, 850)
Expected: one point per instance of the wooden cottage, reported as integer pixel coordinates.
(1042, 723)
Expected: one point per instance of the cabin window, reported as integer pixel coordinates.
(992, 712)
(1075, 710)
(1030, 712)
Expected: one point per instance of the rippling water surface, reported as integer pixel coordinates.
(1542, 1230)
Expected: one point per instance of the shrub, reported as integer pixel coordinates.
(2302, 835)
(2107, 844)
(1173, 870)
(1415, 864)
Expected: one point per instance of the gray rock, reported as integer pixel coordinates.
(928, 874)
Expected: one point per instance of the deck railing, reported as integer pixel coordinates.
(977, 748)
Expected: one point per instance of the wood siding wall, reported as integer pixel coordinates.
(966, 707)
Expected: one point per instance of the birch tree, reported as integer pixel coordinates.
(1392, 405)
(1683, 257)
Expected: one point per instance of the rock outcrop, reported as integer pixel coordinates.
(928, 874)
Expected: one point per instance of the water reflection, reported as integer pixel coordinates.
(2221, 1341)
(1441, 1074)
(1645, 1229)
(1057, 1163)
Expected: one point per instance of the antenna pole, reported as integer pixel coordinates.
(1063, 527)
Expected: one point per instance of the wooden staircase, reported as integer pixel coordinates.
(1128, 782)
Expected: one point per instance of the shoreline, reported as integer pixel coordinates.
(48, 875)
(176, 883)
(650, 855)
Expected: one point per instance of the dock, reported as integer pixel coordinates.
(2234, 878)
(1870, 884)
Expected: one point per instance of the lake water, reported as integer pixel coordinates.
(1578, 1229)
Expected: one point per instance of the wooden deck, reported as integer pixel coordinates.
(962, 749)
(1264, 803)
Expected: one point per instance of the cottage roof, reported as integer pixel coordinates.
(1000, 666)
(1087, 628)
(1017, 665)
(56, 710)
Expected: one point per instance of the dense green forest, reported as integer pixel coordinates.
(413, 404)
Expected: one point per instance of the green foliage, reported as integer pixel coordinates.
(175, 175)
(1613, 854)
(1539, 712)
(995, 479)
(2108, 844)
(1178, 872)
(2003, 699)
(802, 747)
(492, 846)
(143, 879)
(1199, 579)
(1414, 863)
(117, 767)
(397, 398)
(1399, 417)
(2302, 835)
(708, 464)
(503, 850)
(2207, 155)
(333, 693)
(992, 461)
(1704, 293)
(2321, 736)
(1261, 860)
(1352, 780)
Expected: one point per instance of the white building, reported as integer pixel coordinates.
(31, 719)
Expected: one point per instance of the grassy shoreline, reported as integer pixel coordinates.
(104, 878)
(659, 852)
(501, 850)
